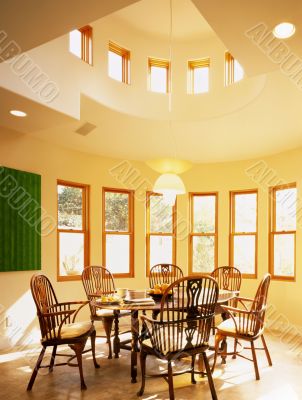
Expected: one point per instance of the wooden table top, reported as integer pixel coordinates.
(224, 296)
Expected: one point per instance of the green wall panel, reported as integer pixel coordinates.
(20, 220)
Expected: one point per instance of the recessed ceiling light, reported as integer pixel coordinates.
(18, 113)
(284, 30)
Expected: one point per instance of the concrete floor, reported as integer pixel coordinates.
(112, 381)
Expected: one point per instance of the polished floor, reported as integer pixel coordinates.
(112, 381)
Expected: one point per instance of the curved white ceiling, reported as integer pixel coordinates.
(255, 117)
(187, 22)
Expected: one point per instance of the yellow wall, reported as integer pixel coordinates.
(29, 154)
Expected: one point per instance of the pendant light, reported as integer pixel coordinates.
(169, 184)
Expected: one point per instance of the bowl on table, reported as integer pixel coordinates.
(122, 292)
(157, 292)
(136, 294)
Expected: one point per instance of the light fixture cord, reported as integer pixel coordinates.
(170, 80)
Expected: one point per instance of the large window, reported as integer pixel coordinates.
(203, 232)
(283, 205)
(198, 75)
(118, 63)
(118, 230)
(80, 43)
(73, 229)
(233, 70)
(243, 232)
(159, 75)
(160, 232)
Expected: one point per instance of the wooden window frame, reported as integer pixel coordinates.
(86, 44)
(232, 234)
(192, 65)
(192, 234)
(229, 61)
(85, 228)
(129, 233)
(149, 234)
(229, 69)
(161, 63)
(125, 55)
(273, 231)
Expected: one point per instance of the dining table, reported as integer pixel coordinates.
(134, 308)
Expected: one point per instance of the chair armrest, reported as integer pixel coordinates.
(235, 310)
(53, 322)
(245, 299)
(241, 317)
(66, 307)
(68, 303)
(58, 313)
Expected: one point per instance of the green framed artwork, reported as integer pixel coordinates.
(20, 220)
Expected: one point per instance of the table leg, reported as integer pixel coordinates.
(116, 340)
(134, 344)
(224, 344)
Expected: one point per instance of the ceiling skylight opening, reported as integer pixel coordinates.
(284, 30)
(238, 71)
(118, 63)
(80, 43)
(75, 46)
(159, 71)
(18, 113)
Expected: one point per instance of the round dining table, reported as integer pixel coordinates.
(134, 308)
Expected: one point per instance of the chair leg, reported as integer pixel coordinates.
(266, 351)
(213, 326)
(107, 323)
(193, 380)
(92, 338)
(209, 374)
(235, 348)
(224, 350)
(218, 339)
(78, 349)
(255, 361)
(36, 369)
(170, 381)
(143, 358)
(53, 357)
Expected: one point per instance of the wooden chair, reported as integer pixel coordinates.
(58, 327)
(228, 278)
(164, 273)
(246, 324)
(98, 281)
(183, 327)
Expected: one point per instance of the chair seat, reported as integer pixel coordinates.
(175, 342)
(109, 313)
(228, 327)
(71, 331)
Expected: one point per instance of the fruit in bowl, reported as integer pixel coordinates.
(159, 290)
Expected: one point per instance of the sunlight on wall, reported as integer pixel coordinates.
(16, 320)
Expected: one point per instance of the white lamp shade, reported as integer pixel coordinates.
(169, 185)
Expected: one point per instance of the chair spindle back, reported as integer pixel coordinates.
(164, 273)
